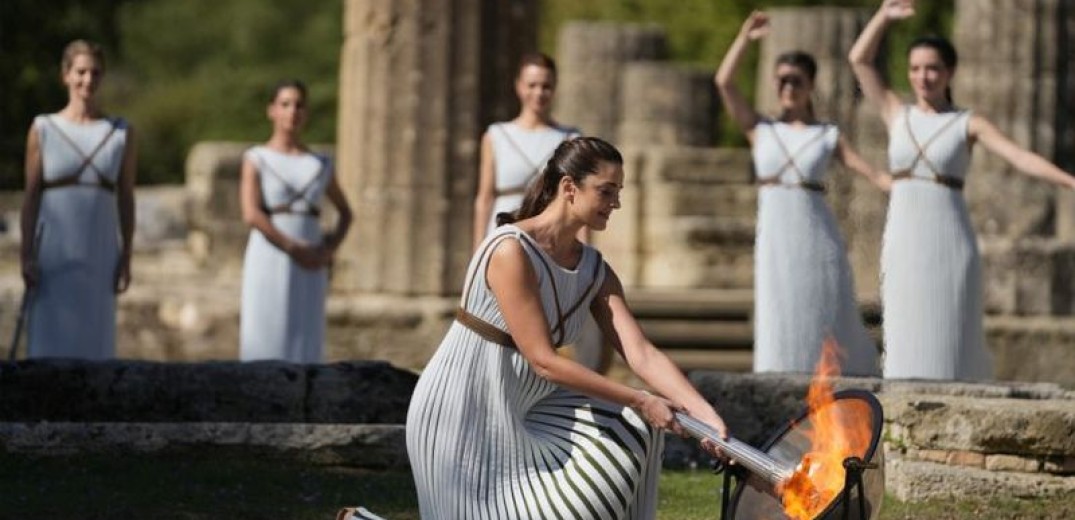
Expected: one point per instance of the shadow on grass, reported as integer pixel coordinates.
(203, 485)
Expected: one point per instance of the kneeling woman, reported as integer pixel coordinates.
(500, 426)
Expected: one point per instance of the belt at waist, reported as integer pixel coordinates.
(485, 329)
(806, 185)
(952, 182)
(312, 211)
(102, 183)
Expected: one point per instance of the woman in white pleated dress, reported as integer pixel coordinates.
(285, 268)
(512, 155)
(803, 286)
(77, 217)
(499, 425)
(931, 270)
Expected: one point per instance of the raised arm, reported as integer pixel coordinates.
(756, 26)
(620, 327)
(1026, 161)
(864, 53)
(483, 202)
(31, 203)
(125, 200)
(851, 160)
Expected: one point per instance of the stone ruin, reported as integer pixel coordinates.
(420, 80)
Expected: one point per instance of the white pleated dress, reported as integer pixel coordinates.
(73, 314)
(931, 281)
(490, 439)
(283, 304)
(803, 286)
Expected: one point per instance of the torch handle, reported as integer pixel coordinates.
(751, 458)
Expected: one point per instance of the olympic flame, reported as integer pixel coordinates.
(819, 477)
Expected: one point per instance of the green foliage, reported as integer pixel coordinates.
(212, 78)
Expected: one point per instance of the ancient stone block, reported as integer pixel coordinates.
(1000, 462)
(1032, 348)
(965, 458)
(665, 104)
(589, 50)
(914, 481)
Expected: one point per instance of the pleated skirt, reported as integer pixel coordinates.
(489, 439)
(931, 286)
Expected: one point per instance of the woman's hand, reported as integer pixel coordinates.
(123, 272)
(895, 10)
(709, 416)
(755, 27)
(308, 256)
(658, 412)
(29, 272)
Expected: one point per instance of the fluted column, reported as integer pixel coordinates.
(419, 80)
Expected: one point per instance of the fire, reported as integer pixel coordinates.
(819, 476)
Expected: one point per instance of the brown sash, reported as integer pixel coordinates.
(908, 173)
(493, 334)
(87, 162)
(297, 194)
(802, 181)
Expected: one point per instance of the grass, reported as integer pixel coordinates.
(200, 485)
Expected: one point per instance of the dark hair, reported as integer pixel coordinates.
(799, 59)
(944, 49)
(577, 158)
(536, 58)
(284, 84)
(803, 61)
(77, 47)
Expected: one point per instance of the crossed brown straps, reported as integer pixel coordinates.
(534, 168)
(802, 182)
(297, 194)
(87, 162)
(908, 173)
(489, 331)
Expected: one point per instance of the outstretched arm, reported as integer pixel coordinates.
(1026, 161)
(864, 52)
(853, 161)
(755, 27)
(620, 327)
(483, 202)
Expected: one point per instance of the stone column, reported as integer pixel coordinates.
(666, 104)
(419, 80)
(1016, 65)
(592, 56)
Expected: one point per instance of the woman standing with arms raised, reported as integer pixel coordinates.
(79, 203)
(285, 269)
(803, 285)
(500, 426)
(931, 271)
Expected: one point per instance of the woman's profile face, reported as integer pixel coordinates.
(535, 87)
(793, 86)
(599, 195)
(927, 73)
(288, 110)
(83, 76)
